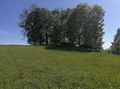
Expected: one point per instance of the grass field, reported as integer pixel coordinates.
(28, 67)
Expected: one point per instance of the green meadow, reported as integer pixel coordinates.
(35, 67)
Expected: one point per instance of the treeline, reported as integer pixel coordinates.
(115, 48)
(80, 27)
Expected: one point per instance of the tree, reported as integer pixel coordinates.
(85, 27)
(59, 25)
(81, 26)
(56, 31)
(116, 43)
(36, 24)
(75, 24)
(84, 22)
(97, 23)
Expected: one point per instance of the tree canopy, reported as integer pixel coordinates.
(80, 27)
(116, 43)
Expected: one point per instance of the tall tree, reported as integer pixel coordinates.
(59, 26)
(94, 26)
(85, 27)
(36, 23)
(76, 24)
(82, 26)
(56, 31)
(116, 43)
(97, 23)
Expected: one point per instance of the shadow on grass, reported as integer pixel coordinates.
(67, 48)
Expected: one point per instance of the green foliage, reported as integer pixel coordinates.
(97, 15)
(58, 33)
(85, 27)
(81, 26)
(34, 67)
(116, 44)
(77, 24)
(36, 25)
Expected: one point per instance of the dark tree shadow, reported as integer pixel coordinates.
(67, 47)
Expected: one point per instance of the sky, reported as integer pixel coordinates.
(10, 10)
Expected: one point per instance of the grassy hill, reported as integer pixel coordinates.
(28, 67)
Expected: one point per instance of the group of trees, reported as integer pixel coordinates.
(115, 48)
(80, 27)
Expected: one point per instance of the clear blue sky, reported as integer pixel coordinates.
(10, 33)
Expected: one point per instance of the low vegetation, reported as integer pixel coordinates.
(35, 67)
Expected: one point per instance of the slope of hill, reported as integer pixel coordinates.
(28, 67)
